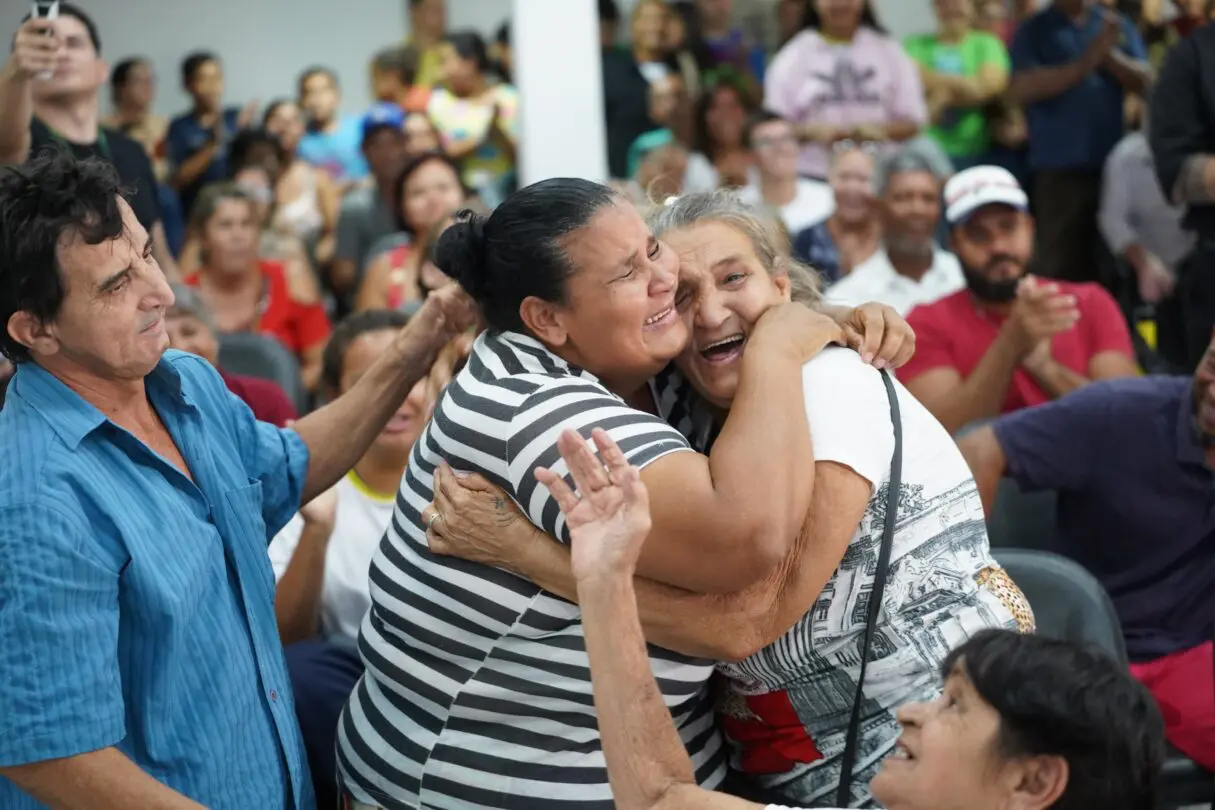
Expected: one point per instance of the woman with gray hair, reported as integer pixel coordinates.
(794, 646)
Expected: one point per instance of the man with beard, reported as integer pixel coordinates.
(1131, 460)
(1008, 341)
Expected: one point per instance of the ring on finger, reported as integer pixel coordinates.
(430, 524)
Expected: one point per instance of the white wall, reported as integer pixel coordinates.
(560, 81)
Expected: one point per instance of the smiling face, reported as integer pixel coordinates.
(723, 290)
(403, 429)
(431, 194)
(911, 211)
(851, 179)
(618, 319)
(946, 758)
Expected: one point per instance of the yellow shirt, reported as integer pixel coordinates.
(428, 65)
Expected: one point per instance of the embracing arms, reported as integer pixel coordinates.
(480, 522)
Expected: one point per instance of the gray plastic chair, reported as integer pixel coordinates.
(1069, 603)
(264, 357)
(1021, 519)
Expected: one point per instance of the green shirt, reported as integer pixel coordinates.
(962, 132)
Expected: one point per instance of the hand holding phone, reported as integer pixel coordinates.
(37, 56)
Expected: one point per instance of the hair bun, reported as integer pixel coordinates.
(461, 254)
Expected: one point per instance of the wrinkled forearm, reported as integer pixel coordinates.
(716, 626)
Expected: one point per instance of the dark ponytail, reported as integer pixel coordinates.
(516, 252)
(460, 253)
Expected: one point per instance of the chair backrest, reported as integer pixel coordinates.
(263, 357)
(1022, 519)
(1068, 602)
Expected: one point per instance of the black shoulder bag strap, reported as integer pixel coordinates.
(843, 795)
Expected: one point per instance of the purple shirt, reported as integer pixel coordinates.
(1135, 501)
(870, 80)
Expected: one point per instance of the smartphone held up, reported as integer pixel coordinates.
(46, 10)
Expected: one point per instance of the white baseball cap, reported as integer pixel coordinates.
(969, 190)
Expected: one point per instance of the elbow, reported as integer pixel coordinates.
(769, 544)
(667, 794)
(743, 642)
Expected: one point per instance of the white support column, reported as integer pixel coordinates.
(560, 79)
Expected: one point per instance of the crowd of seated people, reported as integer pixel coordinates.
(991, 180)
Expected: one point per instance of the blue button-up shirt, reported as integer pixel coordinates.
(1135, 501)
(1078, 128)
(136, 607)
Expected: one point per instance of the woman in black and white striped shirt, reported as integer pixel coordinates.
(477, 691)
(791, 644)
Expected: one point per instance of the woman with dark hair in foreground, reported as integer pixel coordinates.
(1024, 721)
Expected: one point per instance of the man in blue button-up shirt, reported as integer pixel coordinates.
(1073, 62)
(140, 665)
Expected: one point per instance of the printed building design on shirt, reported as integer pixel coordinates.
(933, 601)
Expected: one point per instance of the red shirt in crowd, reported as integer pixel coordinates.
(955, 333)
(297, 326)
(264, 398)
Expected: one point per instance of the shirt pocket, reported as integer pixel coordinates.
(244, 529)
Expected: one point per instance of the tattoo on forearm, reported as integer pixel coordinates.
(1192, 186)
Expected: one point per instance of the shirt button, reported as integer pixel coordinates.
(273, 695)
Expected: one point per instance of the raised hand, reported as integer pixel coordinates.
(609, 515)
(1040, 312)
(878, 333)
(444, 316)
(36, 49)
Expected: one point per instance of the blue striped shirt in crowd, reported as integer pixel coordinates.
(136, 607)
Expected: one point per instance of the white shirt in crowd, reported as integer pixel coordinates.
(875, 279)
(358, 526)
(813, 203)
(943, 586)
(1134, 209)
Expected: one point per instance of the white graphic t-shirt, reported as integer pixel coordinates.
(785, 709)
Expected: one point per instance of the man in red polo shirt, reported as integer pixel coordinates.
(1009, 340)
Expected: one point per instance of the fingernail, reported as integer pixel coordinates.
(879, 363)
(459, 474)
(867, 357)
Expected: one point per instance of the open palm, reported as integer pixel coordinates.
(609, 514)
